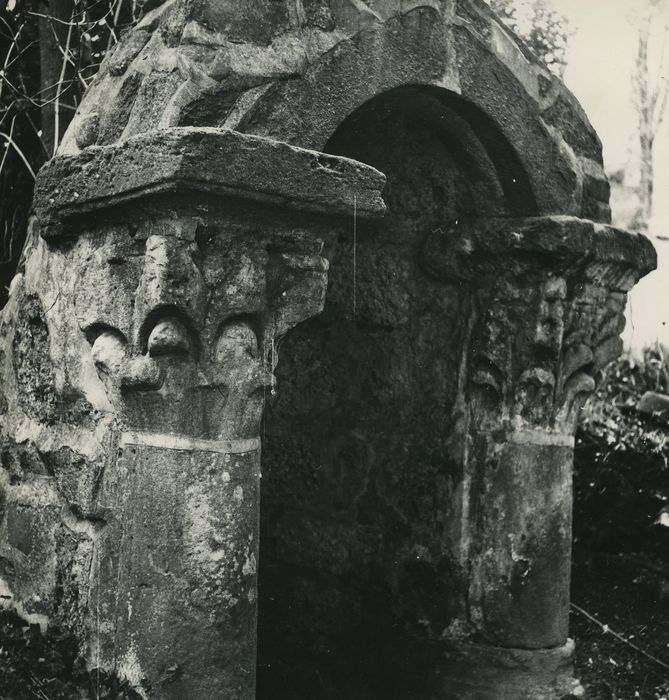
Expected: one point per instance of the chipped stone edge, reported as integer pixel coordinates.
(217, 161)
(560, 236)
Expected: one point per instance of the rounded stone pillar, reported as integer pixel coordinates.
(140, 344)
(547, 302)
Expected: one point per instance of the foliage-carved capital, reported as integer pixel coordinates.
(548, 300)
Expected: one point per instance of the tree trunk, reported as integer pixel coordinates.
(59, 91)
(645, 135)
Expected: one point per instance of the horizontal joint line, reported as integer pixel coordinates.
(167, 441)
(540, 438)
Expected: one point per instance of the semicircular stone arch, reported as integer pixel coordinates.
(298, 74)
(415, 123)
(359, 491)
(503, 95)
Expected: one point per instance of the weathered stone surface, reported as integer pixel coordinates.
(182, 367)
(118, 103)
(654, 404)
(493, 673)
(185, 570)
(415, 518)
(141, 343)
(595, 252)
(34, 371)
(208, 160)
(539, 340)
(520, 541)
(421, 434)
(125, 52)
(88, 130)
(319, 62)
(253, 21)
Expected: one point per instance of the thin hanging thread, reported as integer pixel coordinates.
(96, 554)
(355, 240)
(272, 366)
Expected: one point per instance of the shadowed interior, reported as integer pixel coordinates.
(359, 568)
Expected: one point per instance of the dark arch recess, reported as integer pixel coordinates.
(470, 135)
(359, 569)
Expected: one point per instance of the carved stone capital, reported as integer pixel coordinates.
(185, 339)
(548, 297)
(195, 251)
(536, 349)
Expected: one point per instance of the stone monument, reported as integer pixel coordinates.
(385, 224)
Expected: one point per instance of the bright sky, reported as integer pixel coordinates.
(600, 67)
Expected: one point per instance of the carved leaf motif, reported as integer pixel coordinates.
(236, 338)
(169, 337)
(108, 351)
(237, 357)
(575, 357)
(575, 392)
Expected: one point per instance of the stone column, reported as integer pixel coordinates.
(547, 302)
(174, 570)
(168, 269)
